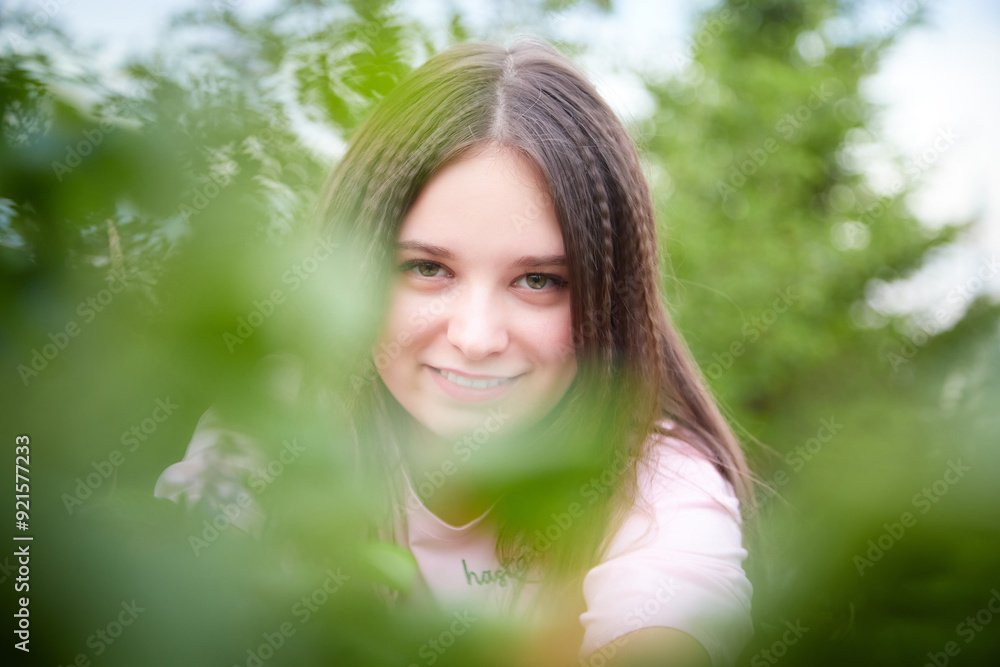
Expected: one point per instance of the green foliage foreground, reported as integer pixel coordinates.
(153, 250)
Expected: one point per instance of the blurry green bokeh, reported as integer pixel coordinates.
(155, 247)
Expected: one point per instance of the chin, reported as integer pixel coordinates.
(455, 427)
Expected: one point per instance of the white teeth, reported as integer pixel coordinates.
(475, 384)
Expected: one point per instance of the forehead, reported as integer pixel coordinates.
(493, 202)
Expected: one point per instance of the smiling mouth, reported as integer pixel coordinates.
(462, 381)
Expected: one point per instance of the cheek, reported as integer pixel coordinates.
(396, 310)
(412, 313)
(394, 338)
(553, 337)
(401, 319)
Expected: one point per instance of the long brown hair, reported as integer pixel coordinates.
(634, 369)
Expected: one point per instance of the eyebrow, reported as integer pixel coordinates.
(521, 262)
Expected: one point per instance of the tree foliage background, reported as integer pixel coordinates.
(143, 216)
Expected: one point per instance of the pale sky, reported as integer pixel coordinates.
(937, 85)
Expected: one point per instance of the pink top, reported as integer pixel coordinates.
(679, 566)
(675, 562)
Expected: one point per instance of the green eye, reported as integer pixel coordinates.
(427, 269)
(423, 268)
(537, 280)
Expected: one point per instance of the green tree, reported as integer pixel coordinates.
(776, 237)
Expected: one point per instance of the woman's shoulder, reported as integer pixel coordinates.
(676, 559)
(680, 497)
(678, 469)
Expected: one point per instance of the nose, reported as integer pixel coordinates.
(477, 326)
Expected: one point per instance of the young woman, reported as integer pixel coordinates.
(542, 437)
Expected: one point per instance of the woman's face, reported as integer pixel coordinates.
(479, 331)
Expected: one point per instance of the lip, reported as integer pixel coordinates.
(471, 394)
